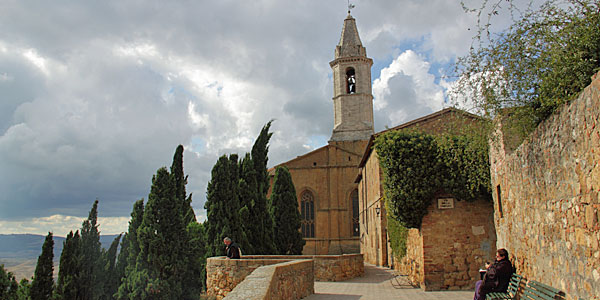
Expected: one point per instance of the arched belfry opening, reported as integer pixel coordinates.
(350, 81)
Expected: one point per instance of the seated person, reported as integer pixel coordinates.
(497, 276)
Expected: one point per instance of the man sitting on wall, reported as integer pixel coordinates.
(233, 250)
(497, 276)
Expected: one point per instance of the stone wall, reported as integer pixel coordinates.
(412, 263)
(289, 280)
(223, 275)
(456, 244)
(451, 245)
(547, 198)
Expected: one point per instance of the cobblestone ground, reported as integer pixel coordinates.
(379, 284)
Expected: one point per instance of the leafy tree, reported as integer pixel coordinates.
(544, 59)
(129, 252)
(90, 264)
(286, 216)
(8, 285)
(67, 286)
(108, 275)
(43, 283)
(223, 206)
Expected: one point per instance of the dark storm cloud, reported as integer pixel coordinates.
(95, 96)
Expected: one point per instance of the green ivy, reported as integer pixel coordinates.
(417, 165)
(398, 234)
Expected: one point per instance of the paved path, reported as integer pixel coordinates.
(377, 284)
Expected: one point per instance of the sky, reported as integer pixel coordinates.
(96, 95)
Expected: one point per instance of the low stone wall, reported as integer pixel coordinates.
(547, 198)
(289, 280)
(223, 275)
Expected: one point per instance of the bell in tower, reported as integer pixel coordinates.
(352, 96)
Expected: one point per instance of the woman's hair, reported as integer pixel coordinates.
(503, 252)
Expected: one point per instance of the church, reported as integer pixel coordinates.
(340, 192)
(324, 178)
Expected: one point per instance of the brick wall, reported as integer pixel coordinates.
(547, 201)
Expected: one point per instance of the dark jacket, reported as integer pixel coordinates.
(497, 277)
(233, 251)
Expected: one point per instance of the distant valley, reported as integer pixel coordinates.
(19, 252)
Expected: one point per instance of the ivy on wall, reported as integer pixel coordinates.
(417, 165)
(397, 232)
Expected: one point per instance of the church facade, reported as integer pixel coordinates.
(324, 178)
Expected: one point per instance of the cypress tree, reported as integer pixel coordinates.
(121, 263)
(286, 217)
(43, 283)
(8, 285)
(254, 185)
(263, 226)
(67, 286)
(195, 280)
(223, 206)
(180, 182)
(90, 256)
(192, 241)
(248, 193)
(24, 290)
(108, 275)
(129, 252)
(161, 262)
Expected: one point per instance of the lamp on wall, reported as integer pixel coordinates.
(377, 210)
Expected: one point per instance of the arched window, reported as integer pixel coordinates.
(307, 214)
(355, 224)
(351, 81)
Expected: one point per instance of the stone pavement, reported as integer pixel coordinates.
(377, 284)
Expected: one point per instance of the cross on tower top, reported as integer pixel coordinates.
(350, 6)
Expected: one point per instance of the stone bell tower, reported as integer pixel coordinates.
(352, 96)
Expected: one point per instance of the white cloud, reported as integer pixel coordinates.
(95, 96)
(61, 225)
(406, 90)
(37, 60)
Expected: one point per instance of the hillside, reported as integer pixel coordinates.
(19, 252)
